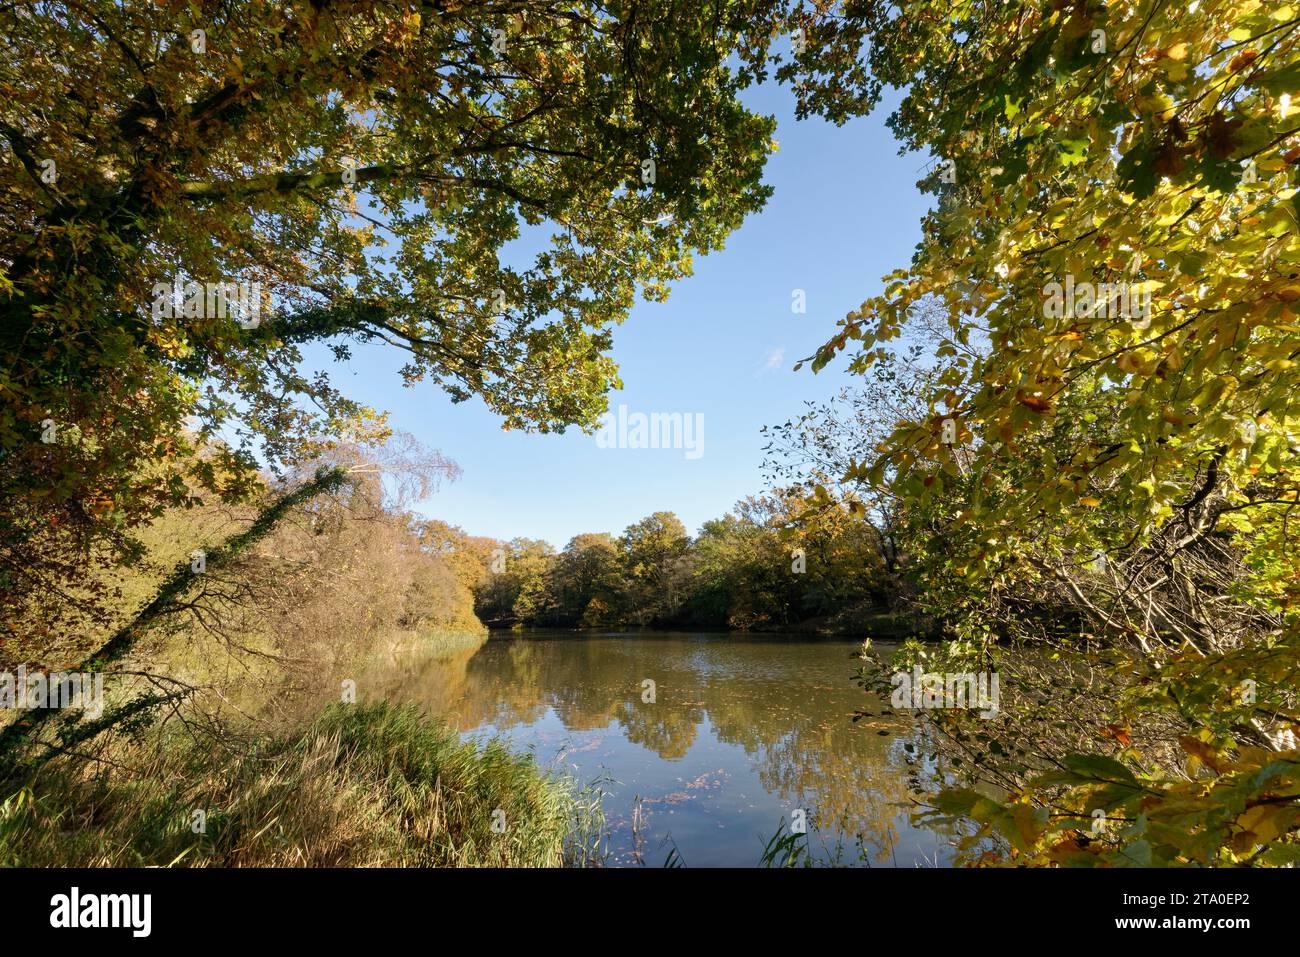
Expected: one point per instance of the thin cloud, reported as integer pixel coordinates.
(772, 361)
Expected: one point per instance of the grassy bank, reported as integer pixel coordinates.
(435, 641)
(375, 785)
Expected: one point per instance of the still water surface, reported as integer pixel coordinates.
(742, 731)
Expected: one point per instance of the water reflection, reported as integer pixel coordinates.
(741, 732)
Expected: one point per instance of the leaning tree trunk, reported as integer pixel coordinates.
(167, 600)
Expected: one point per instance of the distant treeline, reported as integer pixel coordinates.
(751, 569)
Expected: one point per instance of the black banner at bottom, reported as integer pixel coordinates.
(148, 907)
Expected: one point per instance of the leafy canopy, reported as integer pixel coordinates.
(379, 169)
(1134, 466)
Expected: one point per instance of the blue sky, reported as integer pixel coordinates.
(845, 211)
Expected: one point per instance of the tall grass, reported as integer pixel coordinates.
(429, 642)
(375, 785)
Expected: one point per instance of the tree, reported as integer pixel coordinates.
(468, 556)
(358, 168)
(1115, 211)
(174, 595)
(586, 581)
(822, 449)
(654, 558)
(719, 569)
(516, 589)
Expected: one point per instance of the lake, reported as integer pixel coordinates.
(705, 744)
